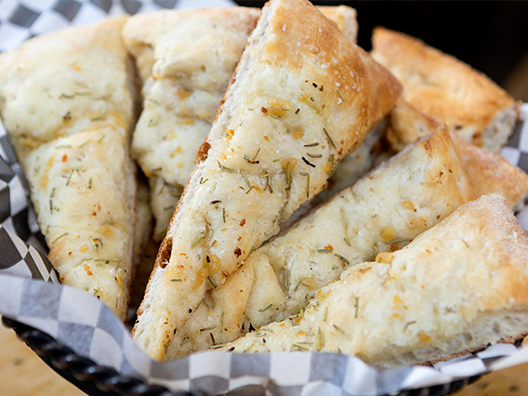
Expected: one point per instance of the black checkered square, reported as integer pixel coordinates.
(23, 16)
(67, 8)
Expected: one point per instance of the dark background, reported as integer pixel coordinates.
(490, 36)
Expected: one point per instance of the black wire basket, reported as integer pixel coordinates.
(96, 380)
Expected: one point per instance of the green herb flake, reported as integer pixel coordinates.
(225, 168)
(265, 308)
(245, 178)
(339, 329)
(340, 95)
(302, 348)
(217, 346)
(59, 237)
(408, 324)
(184, 341)
(399, 240)
(94, 244)
(154, 120)
(101, 139)
(90, 183)
(176, 280)
(198, 239)
(343, 259)
(324, 250)
(374, 215)
(223, 215)
(275, 116)
(202, 181)
(347, 241)
(209, 328)
(211, 280)
(329, 138)
(314, 155)
(52, 192)
(69, 177)
(97, 119)
(319, 339)
(356, 306)
(108, 260)
(325, 314)
(296, 287)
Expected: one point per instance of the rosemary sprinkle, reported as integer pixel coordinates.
(265, 308)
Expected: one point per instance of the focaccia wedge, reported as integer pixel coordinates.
(455, 289)
(186, 59)
(382, 212)
(68, 105)
(487, 172)
(448, 90)
(302, 97)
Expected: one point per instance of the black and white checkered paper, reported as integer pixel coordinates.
(83, 323)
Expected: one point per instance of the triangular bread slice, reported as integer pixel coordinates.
(447, 89)
(80, 187)
(455, 289)
(382, 212)
(487, 172)
(303, 96)
(68, 105)
(186, 59)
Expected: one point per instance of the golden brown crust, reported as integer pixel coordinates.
(441, 86)
(489, 173)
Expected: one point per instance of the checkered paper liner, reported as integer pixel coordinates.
(83, 323)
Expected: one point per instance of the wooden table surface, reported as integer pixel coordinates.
(22, 373)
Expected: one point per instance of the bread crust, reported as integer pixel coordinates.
(304, 68)
(456, 288)
(447, 89)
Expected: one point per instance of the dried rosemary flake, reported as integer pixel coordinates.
(319, 339)
(184, 341)
(209, 328)
(222, 318)
(275, 116)
(202, 181)
(176, 280)
(339, 329)
(211, 280)
(245, 178)
(212, 338)
(198, 239)
(69, 177)
(314, 155)
(217, 346)
(399, 240)
(249, 190)
(343, 259)
(265, 308)
(223, 214)
(52, 192)
(225, 168)
(90, 183)
(51, 205)
(255, 156)
(340, 95)
(325, 314)
(347, 241)
(308, 162)
(94, 244)
(101, 139)
(59, 237)
(329, 138)
(356, 306)
(97, 119)
(374, 215)
(311, 145)
(365, 269)
(299, 347)
(296, 287)
(84, 144)
(154, 120)
(297, 111)
(408, 324)
(324, 250)
(108, 260)
(272, 185)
